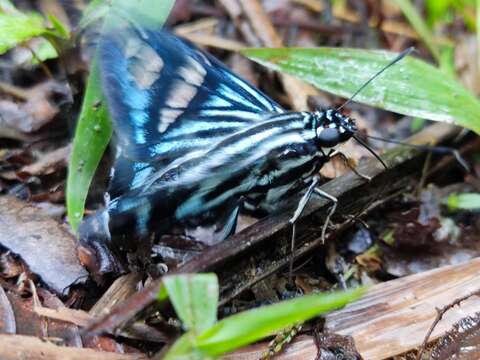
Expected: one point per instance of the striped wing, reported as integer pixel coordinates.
(168, 99)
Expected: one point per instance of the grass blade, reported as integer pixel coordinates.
(16, 28)
(91, 139)
(249, 326)
(195, 299)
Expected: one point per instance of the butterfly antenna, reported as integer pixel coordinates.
(391, 63)
(435, 149)
(365, 145)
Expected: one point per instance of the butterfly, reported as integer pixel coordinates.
(195, 144)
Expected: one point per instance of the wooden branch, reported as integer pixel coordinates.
(139, 331)
(261, 249)
(394, 316)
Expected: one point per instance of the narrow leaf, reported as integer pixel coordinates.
(465, 201)
(148, 13)
(91, 139)
(195, 299)
(15, 28)
(412, 87)
(61, 29)
(94, 127)
(247, 327)
(184, 349)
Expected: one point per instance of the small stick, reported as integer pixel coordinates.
(297, 91)
(440, 313)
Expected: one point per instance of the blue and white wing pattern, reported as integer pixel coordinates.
(162, 90)
(168, 99)
(169, 103)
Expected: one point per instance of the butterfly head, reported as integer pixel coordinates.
(333, 128)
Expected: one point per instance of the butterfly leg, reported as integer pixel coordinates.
(296, 215)
(334, 201)
(348, 164)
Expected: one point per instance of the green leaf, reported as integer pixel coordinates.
(436, 10)
(94, 129)
(464, 201)
(417, 124)
(16, 28)
(162, 294)
(60, 29)
(184, 349)
(95, 11)
(147, 13)
(45, 51)
(195, 299)
(91, 139)
(244, 328)
(412, 87)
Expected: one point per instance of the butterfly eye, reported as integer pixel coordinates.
(328, 137)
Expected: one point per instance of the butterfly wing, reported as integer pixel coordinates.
(167, 99)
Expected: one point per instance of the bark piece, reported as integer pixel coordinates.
(395, 316)
(47, 248)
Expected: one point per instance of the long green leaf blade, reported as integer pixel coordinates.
(463, 201)
(15, 28)
(94, 126)
(412, 87)
(247, 327)
(195, 299)
(91, 139)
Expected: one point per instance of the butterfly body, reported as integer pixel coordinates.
(195, 145)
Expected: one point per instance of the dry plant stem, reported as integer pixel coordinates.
(18, 92)
(303, 251)
(297, 91)
(423, 178)
(201, 25)
(138, 330)
(215, 41)
(121, 289)
(440, 313)
(44, 67)
(388, 26)
(199, 32)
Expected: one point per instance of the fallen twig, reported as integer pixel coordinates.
(440, 313)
